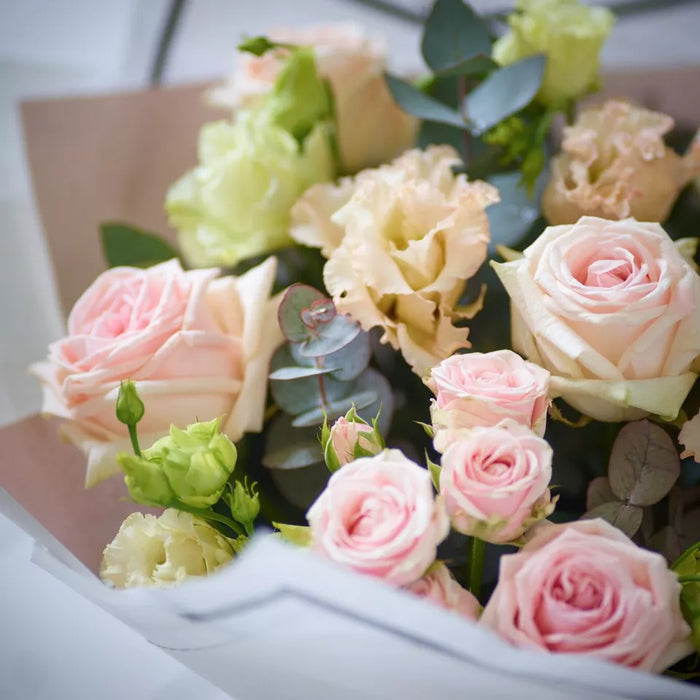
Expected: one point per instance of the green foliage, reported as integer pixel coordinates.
(453, 33)
(416, 102)
(258, 45)
(123, 244)
(688, 569)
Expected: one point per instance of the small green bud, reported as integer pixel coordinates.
(257, 45)
(299, 98)
(129, 405)
(145, 480)
(244, 504)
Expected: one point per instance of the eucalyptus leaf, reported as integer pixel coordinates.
(622, 515)
(351, 360)
(330, 337)
(373, 380)
(127, 245)
(335, 409)
(297, 298)
(415, 102)
(285, 374)
(644, 463)
(599, 492)
(292, 457)
(474, 66)
(503, 93)
(453, 32)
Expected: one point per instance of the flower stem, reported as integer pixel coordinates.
(134, 439)
(476, 565)
(212, 515)
(689, 579)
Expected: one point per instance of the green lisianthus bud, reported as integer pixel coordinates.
(194, 464)
(244, 504)
(348, 439)
(129, 405)
(299, 98)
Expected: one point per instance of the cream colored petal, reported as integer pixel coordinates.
(624, 400)
(311, 223)
(689, 437)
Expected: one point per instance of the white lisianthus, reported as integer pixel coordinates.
(235, 204)
(163, 551)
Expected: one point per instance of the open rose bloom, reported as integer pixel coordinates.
(585, 588)
(612, 310)
(401, 244)
(614, 163)
(483, 389)
(197, 347)
(439, 586)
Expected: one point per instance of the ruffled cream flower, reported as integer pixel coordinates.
(402, 243)
(614, 164)
(164, 551)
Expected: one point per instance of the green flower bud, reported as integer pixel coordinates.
(189, 467)
(129, 405)
(300, 97)
(244, 504)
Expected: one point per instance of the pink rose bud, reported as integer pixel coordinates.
(378, 516)
(482, 389)
(586, 588)
(495, 482)
(349, 439)
(439, 586)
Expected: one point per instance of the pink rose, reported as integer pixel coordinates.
(495, 482)
(197, 347)
(346, 435)
(378, 516)
(484, 389)
(612, 310)
(585, 588)
(442, 589)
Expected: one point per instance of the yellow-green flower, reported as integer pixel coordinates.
(235, 204)
(189, 467)
(569, 33)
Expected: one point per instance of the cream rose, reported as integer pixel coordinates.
(163, 551)
(197, 348)
(439, 586)
(378, 516)
(484, 389)
(689, 437)
(371, 127)
(585, 588)
(401, 248)
(495, 481)
(614, 163)
(612, 310)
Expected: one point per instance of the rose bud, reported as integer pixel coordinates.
(349, 438)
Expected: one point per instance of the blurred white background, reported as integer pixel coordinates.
(53, 643)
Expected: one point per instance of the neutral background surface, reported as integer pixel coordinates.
(53, 643)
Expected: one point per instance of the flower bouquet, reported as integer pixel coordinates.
(359, 380)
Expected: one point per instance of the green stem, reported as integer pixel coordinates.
(134, 440)
(476, 565)
(689, 579)
(212, 515)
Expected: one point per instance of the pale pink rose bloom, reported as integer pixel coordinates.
(612, 310)
(614, 163)
(402, 240)
(197, 348)
(689, 437)
(372, 128)
(495, 481)
(585, 588)
(378, 516)
(440, 587)
(483, 389)
(346, 434)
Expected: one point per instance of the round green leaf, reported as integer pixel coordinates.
(330, 337)
(644, 464)
(623, 516)
(297, 298)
